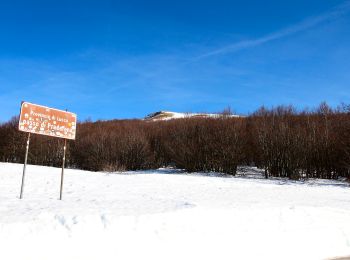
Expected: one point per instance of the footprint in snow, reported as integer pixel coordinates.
(62, 221)
(187, 205)
(104, 220)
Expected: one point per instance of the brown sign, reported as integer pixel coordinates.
(47, 121)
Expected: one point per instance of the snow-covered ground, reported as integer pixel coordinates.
(165, 214)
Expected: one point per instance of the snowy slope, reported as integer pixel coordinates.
(167, 115)
(163, 214)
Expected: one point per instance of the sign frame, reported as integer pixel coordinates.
(40, 122)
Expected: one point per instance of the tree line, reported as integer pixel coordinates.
(282, 141)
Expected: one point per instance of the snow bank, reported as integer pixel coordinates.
(164, 215)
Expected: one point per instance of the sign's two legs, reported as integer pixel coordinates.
(25, 166)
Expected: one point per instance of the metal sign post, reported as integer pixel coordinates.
(63, 162)
(24, 167)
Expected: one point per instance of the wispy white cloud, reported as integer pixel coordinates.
(333, 14)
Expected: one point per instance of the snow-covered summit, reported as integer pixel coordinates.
(167, 115)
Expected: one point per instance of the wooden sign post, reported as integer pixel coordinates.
(47, 121)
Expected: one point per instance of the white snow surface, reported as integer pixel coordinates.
(167, 214)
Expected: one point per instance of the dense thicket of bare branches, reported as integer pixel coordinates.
(112, 145)
(309, 144)
(284, 142)
(205, 144)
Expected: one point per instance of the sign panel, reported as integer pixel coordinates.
(47, 121)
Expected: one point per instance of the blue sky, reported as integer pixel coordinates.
(125, 59)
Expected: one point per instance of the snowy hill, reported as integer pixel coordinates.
(166, 214)
(167, 115)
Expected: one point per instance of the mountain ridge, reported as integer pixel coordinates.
(164, 115)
